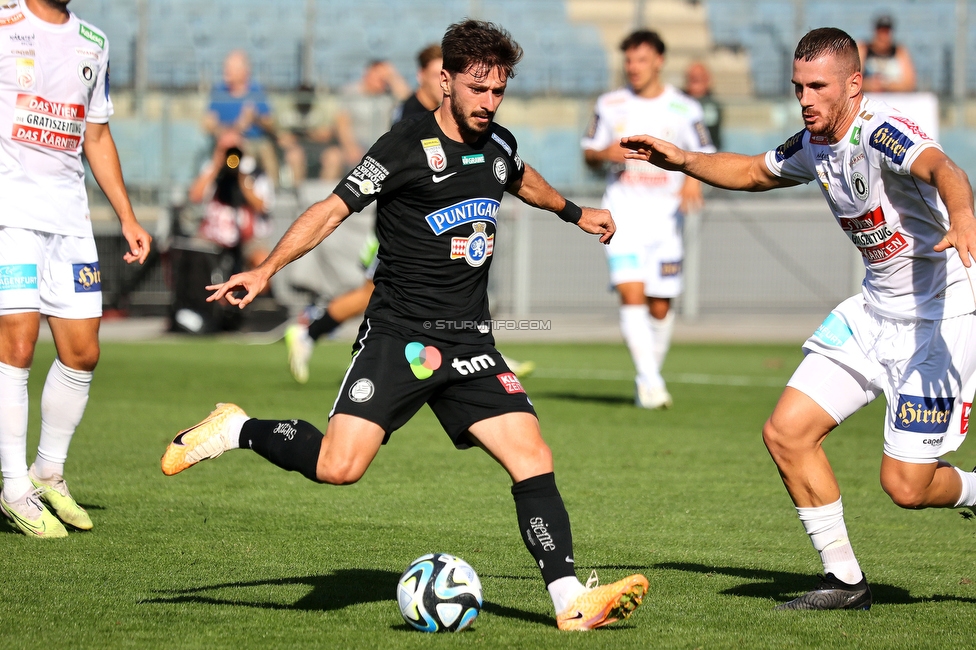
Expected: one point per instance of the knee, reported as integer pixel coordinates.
(85, 361)
(903, 493)
(777, 443)
(20, 354)
(339, 473)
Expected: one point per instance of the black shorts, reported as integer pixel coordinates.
(393, 374)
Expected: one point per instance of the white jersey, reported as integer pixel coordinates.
(637, 190)
(893, 219)
(53, 79)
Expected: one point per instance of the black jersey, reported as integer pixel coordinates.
(411, 107)
(437, 209)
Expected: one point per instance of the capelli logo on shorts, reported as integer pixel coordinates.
(18, 276)
(923, 414)
(88, 277)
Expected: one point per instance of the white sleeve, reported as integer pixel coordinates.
(788, 161)
(599, 134)
(100, 106)
(900, 141)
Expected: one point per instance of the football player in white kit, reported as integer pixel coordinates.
(911, 332)
(647, 203)
(54, 104)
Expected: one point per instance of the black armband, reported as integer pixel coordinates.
(571, 213)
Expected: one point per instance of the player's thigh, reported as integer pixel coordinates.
(384, 386)
(931, 393)
(836, 389)
(22, 261)
(663, 259)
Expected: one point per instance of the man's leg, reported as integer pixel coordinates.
(662, 327)
(300, 338)
(18, 338)
(63, 403)
(340, 457)
(515, 441)
(19, 499)
(929, 485)
(635, 325)
(794, 435)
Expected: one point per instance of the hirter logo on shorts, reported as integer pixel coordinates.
(510, 383)
(88, 277)
(923, 414)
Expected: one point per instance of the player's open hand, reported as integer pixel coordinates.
(962, 236)
(598, 222)
(653, 150)
(252, 282)
(138, 240)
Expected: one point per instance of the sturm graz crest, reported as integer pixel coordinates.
(475, 248)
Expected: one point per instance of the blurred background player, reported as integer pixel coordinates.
(48, 260)
(316, 321)
(886, 65)
(908, 334)
(645, 256)
(698, 86)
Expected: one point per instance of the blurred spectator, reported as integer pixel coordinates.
(886, 65)
(239, 104)
(369, 102)
(316, 142)
(429, 94)
(698, 86)
(237, 198)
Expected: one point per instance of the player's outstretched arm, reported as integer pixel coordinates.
(729, 171)
(534, 190)
(937, 169)
(103, 158)
(308, 231)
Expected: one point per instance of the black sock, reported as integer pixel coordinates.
(293, 445)
(322, 326)
(544, 524)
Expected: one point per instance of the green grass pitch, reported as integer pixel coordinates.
(235, 553)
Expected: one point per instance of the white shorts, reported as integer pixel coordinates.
(926, 370)
(654, 261)
(57, 275)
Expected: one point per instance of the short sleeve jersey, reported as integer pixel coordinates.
(53, 79)
(228, 108)
(437, 209)
(892, 218)
(638, 189)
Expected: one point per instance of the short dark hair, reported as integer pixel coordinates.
(478, 44)
(428, 54)
(829, 41)
(643, 37)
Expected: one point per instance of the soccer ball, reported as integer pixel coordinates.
(439, 593)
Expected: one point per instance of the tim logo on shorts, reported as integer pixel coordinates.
(88, 277)
(923, 414)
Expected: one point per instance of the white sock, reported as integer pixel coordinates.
(662, 329)
(564, 591)
(13, 431)
(62, 405)
(235, 424)
(828, 533)
(635, 324)
(968, 495)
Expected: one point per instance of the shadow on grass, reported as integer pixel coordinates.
(329, 592)
(783, 586)
(583, 397)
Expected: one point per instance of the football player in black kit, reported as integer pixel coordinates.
(426, 335)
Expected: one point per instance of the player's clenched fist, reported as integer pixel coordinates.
(597, 221)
